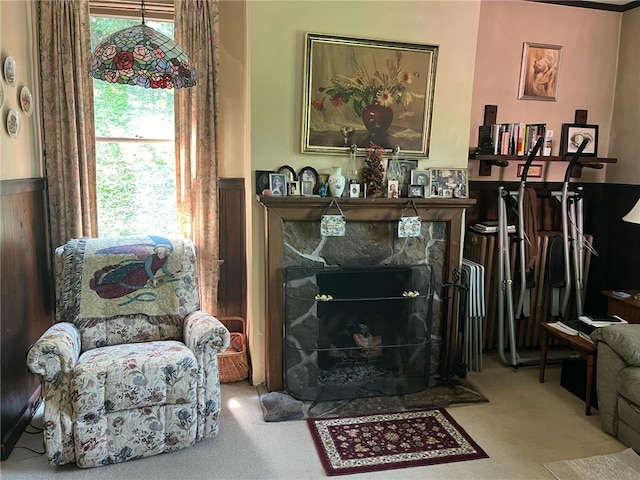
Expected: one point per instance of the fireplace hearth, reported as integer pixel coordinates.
(354, 332)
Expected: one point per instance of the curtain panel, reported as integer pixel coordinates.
(67, 116)
(196, 117)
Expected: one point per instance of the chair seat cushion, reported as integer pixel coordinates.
(136, 375)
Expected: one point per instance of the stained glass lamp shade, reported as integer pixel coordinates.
(142, 56)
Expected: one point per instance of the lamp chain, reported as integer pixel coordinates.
(142, 10)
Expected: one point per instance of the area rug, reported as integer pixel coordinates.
(371, 443)
(623, 465)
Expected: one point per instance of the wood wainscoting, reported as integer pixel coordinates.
(27, 298)
(232, 288)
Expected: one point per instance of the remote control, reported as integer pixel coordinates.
(617, 293)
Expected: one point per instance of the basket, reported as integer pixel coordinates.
(233, 364)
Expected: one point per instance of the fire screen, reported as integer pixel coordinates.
(353, 332)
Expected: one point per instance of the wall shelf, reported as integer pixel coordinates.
(488, 161)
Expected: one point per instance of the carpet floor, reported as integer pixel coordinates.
(372, 443)
(623, 465)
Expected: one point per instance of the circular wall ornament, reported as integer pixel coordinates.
(26, 100)
(13, 123)
(10, 71)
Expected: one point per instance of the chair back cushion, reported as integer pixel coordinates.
(126, 289)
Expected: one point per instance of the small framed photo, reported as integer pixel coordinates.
(420, 177)
(449, 183)
(307, 188)
(392, 189)
(278, 184)
(354, 190)
(535, 170)
(262, 180)
(572, 136)
(293, 188)
(416, 191)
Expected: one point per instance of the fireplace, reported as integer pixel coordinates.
(292, 236)
(354, 332)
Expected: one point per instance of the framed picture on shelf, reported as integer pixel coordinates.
(416, 191)
(449, 183)
(539, 72)
(342, 79)
(293, 188)
(278, 184)
(354, 190)
(262, 180)
(306, 188)
(420, 177)
(572, 136)
(309, 174)
(392, 189)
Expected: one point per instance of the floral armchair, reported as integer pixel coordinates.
(130, 368)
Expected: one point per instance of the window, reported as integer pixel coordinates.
(135, 155)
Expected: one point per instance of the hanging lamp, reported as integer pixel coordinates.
(142, 56)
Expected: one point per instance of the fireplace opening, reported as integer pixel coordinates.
(353, 332)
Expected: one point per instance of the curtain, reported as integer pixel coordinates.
(196, 114)
(67, 117)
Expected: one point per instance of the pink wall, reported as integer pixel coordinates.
(586, 77)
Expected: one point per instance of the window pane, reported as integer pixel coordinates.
(136, 188)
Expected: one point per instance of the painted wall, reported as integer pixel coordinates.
(19, 157)
(234, 97)
(277, 78)
(586, 78)
(625, 141)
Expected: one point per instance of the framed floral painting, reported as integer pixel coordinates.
(360, 91)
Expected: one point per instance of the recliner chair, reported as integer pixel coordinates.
(130, 369)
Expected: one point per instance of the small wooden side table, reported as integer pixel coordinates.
(627, 308)
(584, 347)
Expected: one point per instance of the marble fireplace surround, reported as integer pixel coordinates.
(292, 237)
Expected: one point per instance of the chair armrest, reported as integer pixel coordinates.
(203, 331)
(55, 352)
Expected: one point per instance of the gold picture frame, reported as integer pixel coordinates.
(539, 72)
(361, 91)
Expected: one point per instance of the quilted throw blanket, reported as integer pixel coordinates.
(106, 277)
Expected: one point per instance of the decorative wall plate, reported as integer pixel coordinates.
(26, 101)
(13, 123)
(10, 71)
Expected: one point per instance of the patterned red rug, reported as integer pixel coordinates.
(372, 443)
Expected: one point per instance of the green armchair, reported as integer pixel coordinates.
(618, 381)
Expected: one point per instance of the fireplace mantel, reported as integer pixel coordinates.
(279, 210)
